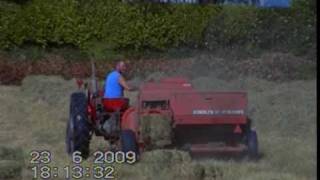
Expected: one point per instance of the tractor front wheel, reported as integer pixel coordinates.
(78, 132)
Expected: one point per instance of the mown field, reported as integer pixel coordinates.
(33, 116)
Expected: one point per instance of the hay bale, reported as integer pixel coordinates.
(156, 129)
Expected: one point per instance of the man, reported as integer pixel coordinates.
(113, 100)
(115, 83)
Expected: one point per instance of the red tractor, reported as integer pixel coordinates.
(202, 122)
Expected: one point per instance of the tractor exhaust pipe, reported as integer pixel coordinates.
(94, 84)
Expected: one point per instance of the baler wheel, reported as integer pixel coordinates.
(252, 143)
(128, 142)
(78, 129)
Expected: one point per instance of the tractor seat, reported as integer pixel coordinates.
(115, 104)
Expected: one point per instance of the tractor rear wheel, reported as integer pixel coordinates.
(128, 142)
(78, 132)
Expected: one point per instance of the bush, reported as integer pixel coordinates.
(234, 25)
(8, 13)
(291, 29)
(145, 25)
(116, 24)
(112, 26)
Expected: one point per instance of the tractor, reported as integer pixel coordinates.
(202, 122)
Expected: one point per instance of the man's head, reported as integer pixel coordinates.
(121, 67)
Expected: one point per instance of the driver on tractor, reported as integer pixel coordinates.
(114, 86)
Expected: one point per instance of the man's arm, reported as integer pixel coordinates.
(124, 84)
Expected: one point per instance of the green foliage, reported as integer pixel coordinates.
(102, 51)
(125, 26)
(146, 25)
(8, 13)
(101, 27)
(30, 52)
(51, 21)
(234, 25)
(291, 29)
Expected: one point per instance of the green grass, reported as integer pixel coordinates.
(11, 162)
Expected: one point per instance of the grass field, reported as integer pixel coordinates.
(34, 116)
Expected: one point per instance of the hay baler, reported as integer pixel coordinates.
(200, 122)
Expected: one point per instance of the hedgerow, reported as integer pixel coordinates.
(250, 27)
(120, 26)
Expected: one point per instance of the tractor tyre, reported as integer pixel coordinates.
(128, 142)
(78, 132)
(252, 143)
